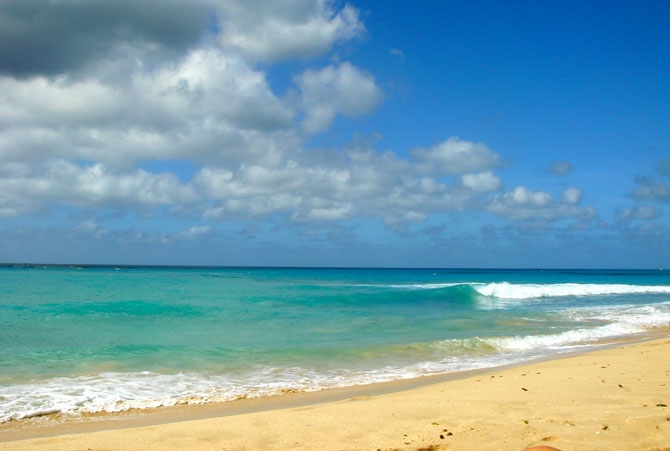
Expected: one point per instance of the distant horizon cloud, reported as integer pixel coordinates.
(560, 167)
(663, 167)
(651, 189)
(639, 212)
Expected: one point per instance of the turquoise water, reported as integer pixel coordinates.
(89, 339)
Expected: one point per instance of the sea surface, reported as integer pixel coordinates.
(107, 339)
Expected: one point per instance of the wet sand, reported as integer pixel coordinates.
(610, 399)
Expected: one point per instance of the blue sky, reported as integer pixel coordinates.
(328, 133)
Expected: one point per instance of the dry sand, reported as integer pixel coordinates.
(611, 399)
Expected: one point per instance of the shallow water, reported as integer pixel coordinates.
(90, 339)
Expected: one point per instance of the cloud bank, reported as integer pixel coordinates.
(170, 107)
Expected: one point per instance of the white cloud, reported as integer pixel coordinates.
(455, 156)
(523, 197)
(290, 181)
(46, 102)
(572, 195)
(331, 212)
(193, 233)
(524, 204)
(366, 183)
(24, 191)
(209, 107)
(336, 89)
(286, 29)
(481, 182)
(213, 85)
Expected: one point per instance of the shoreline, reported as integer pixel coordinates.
(49, 424)
(406, 398)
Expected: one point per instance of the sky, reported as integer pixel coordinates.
(438, 133)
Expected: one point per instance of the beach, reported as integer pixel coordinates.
(613, 398)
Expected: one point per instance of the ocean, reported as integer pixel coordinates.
(82, 339)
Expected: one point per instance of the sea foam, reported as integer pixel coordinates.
(505, 290)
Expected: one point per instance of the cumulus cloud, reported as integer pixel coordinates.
(210, 107)
(286, 29)
(481, 182)
(524, 204)
(336, 89)
(572, 195)
(160, 108)
(371, 184)
(523, 197)
(455, 156)
(26, 189)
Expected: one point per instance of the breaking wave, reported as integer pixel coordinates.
(505, 290)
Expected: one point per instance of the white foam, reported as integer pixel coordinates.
(115, 392)
(619, 321)
(505, 290)
(418, 286)
(563, 340)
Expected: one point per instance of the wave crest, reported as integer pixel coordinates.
(505, 290)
